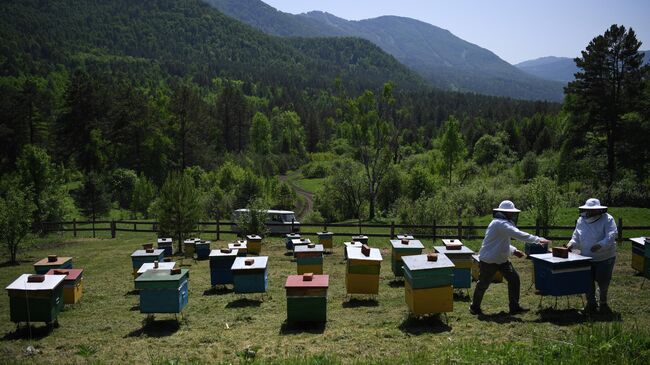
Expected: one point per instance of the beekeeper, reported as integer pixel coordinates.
(495, 253)
(595, 237)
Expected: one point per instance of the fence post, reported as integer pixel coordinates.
(537, 227)
(218, 228)
(74, 227)
(325, 226)
(135, 227)
(620, 230)
(93, 227)
(460, 228)
(113, 228)
(434, 232)
(392, 229)
(292, 222)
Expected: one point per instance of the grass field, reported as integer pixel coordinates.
(221, 327)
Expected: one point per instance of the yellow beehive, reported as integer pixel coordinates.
(254, 244)
(638, 262)
(429, 300)
(361, 284)
(498, 277)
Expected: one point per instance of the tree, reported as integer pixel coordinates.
(488, 148)
(144, 192)
(608, 85)
(260, 134)
(452, 145)
(188, 110)
(94, 199)
(545, 199)
(178, 206)
(15, 219)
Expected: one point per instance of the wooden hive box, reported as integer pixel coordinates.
(326, 239)
(166, 244)
(163, 291)
(558, 276)
(220, 264)
(362, 272)
(639, 254)
(498, 276)
(350, 244)
(299, 242)
(189, 247)
(202, 249)
(139, 257)
(254, 244)
(72, 284)
(403, 247)
(462, 260)
(307, 298)
(429, 300)
(52, 262)
(428, 284)
(360, 238)
(309, 259)
(252, 278)
(289, 237)
(241, 247)
(35, 301)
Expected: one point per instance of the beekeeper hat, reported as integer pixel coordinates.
(592, 204)
(507, 206)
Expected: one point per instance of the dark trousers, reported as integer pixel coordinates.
(486, 273)
(601, 274)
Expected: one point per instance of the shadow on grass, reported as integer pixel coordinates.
(500, 318)
(18, 262)
(217, 290)
(462, 296)
(135, 307)
(396, 283)
(30, 332)
(567, 317)
(153, 328)
(356, 303)
(244, 302)
(132, 292)
(288, 253)
(424, 324)
(293, 328)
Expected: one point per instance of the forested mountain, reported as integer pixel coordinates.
(447, 61)
(556, 68)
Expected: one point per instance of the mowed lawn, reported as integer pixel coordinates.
(221, 327)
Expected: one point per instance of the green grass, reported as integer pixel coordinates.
(311, 185)
(106, 326)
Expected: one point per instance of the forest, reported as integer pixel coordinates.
(114, 108)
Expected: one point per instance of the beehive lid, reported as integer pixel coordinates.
(161, 266)
(354, 253)
(218, 253)
(237, 245)
(407, 236)
(71, 274)
(463, 250)
(253, 237)
(191, 241)
(144, 253)
(306, 248)
(325, 233)
(59, 261)
(300, 241)
(420, 262)
(639, 240)
(161, 275)
(317, 281)
(164, 240)
(359, 237)
(259, 262)
(548, 257)
(476, 258)
(203, 243)
(412, 244)
(293, 235)
(50, 282)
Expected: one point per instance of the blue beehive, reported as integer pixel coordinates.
(558, 276)
(250, 274)
(461, 257)
(163, 291)
(139, 257)
(289, 238)
(202, 249)
(167, 245)
(220, 266)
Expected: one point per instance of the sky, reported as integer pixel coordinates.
(516, 30)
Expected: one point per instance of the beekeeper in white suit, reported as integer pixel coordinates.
(595, 237)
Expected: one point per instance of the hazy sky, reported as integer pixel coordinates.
(516, 30)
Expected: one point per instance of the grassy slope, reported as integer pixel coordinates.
(107, 327)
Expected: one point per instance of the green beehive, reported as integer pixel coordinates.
(326, 239)
(163, 291)
(36, 298)
(309, 258)
(307, 298)
(403, 247)
(461, 257)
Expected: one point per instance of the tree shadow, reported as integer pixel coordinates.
(156, 329)
(244, 302)
(218, 290)
(30, 332)
(356, 303)
(418, 325)
(293, 328)
(396, 283)
(500, 318)
(17, 263)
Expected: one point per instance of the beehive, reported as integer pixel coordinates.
(462, 260)
(254, 244)
(641, 256)
(189, 247)
(326, 239)
(241, 247)
(163, 291)
(405, 236)
(162, 266)
(252, 277)
(167, 245)
(403, 247)
(52, 262)
(139, 257)
(202, 249)
(558, 276)
(350, 244)
(288, 243)
(362, 271)
(498, 277)
(35, 301)
(220, 264)
(72, 284)
(535, 249)
(307, 298)
(428, 284)
(299, 242)
(360, 238)
(309, 258)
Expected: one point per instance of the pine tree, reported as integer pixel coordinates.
(178, 207)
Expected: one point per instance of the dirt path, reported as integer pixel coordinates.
(307, 196)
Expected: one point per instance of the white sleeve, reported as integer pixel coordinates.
(517, 234)
(611, 232)
(575, 239)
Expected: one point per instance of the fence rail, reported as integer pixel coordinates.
(216, 227)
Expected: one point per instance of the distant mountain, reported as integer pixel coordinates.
(447, 61)
(557, 68)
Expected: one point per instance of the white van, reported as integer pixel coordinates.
(277, 221)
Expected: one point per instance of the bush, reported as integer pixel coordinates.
(122, 182)
(545, 200)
